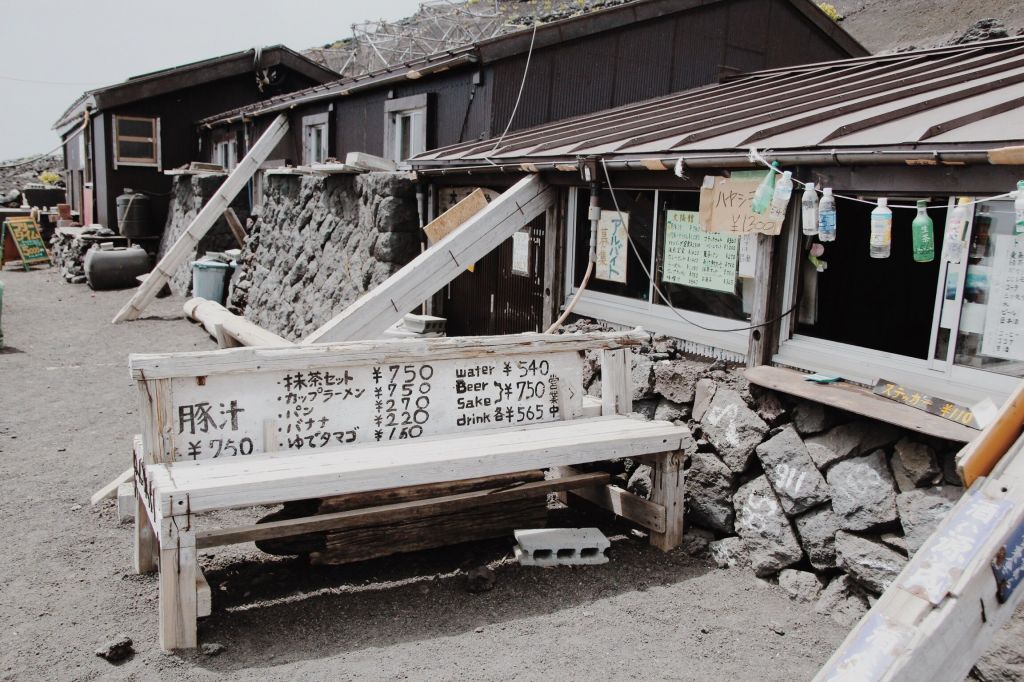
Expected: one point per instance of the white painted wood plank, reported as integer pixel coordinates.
(380, 308)
(207, 216)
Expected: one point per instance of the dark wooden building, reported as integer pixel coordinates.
(127, 134)
(579, 65)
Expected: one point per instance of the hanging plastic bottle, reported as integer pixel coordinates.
(780, 199)
(880, 243)
(765, 191)
(1018, 209)
(954, 242)
(827, 216)
(809, 210)
(923, 230)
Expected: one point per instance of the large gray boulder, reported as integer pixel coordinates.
(730, 552)
(796, 481)
(733, 428)
(676, 379)
(702, 395)
(863, 493)
(709, 492)
(817, 530)
(671, 412)
(921, 510)
(643, 377)
(770, 541)
(870, 563)
(850, 440)
(914, 465)
(810, 417)
(801, 586)
(842, 601)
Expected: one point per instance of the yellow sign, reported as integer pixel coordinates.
(725, 205)
(25, 234)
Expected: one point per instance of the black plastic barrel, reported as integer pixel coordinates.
(115, 268)
(133, 219)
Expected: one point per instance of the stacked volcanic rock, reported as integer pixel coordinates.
(69, 246)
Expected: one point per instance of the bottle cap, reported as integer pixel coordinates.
(828, 191)
(786, 175)
(921, 203)
(810, 186)
(883, 202)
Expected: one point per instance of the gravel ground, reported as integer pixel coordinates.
(67, 412)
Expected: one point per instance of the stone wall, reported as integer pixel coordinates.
(69, 246)
(189, 194)
(319, 243)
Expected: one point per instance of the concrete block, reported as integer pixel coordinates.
(561, 547)
(126, 502)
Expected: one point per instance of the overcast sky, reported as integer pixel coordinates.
(50, 52)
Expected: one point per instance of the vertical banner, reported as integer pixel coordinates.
(612, 247)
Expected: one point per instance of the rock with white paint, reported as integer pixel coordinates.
(796, 481)
(676, 379)
(842, 601)
(801, 586)
(870, 563)
(760, 521)
(850, 440)
(729, 552)
(733, 428)
(702, 395)
(914, 465)
(922, 510)
(709, 492)
(817, 531)
(863, 492)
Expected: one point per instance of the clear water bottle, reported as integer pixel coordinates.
(765, 191)
(1018, 209)
(809, 210)
(827, 216)
(954, 243)
(924, 234)
(880, 243)
(780, 199)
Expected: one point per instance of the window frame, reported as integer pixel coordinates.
(231, 146)
(650, 314)
(416, 108)
(319, 122)
(152, 162)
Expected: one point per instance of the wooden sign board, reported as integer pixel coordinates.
(312, 407)
(446, 223)
(725, 205)
(24, 234)
(612, 246)
(926, 403)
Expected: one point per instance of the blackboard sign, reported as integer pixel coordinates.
(24, 233)
(940, 407)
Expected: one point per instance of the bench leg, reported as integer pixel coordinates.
(178, 610)
(145, 539)
(667, 490)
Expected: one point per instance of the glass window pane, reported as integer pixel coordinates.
(991, 332)
(637, 207)
(135, 127)
(404, 136)
(136, 150)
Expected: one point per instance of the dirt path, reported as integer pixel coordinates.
(67, 412)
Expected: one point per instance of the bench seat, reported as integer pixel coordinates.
(187, 487)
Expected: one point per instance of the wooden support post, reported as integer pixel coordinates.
(229, 329)
(371, 315)
(213, 209)
(146, 546)
(759, 347)
(235, 225)
(178, 607)
(667, 491)
(616, 382)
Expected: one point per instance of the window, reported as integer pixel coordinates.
(315, 147)
(136, 141)
(405, 130)
(699, 273)
(225, 153)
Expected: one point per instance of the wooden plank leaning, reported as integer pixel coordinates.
(377, 310)
(209, 214)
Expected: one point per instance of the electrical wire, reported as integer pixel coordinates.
(654, 283)
(33, 159)
(519, 97)
(30, 80)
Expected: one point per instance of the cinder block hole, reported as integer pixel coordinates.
(542, 554)
(566, 553)
(588, 552)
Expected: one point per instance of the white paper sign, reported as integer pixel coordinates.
(748, 247)
(521, 253)
(612, 246)
(1004, 319)
(695, 258)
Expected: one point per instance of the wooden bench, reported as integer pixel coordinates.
(218, 426)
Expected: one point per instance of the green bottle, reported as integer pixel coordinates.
(924, 234)
(765, 192)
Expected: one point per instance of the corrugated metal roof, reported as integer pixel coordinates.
(952, 96)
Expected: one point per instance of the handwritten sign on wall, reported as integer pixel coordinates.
(612, 246)
(695, 258)
(1003, 335)
(725, 205)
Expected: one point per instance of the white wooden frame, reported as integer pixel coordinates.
(310, 123)
(118, 138)
(415, 106)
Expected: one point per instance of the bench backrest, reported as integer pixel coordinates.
(242, 401)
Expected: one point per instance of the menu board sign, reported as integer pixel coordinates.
(1003, 335)
(695, 258)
